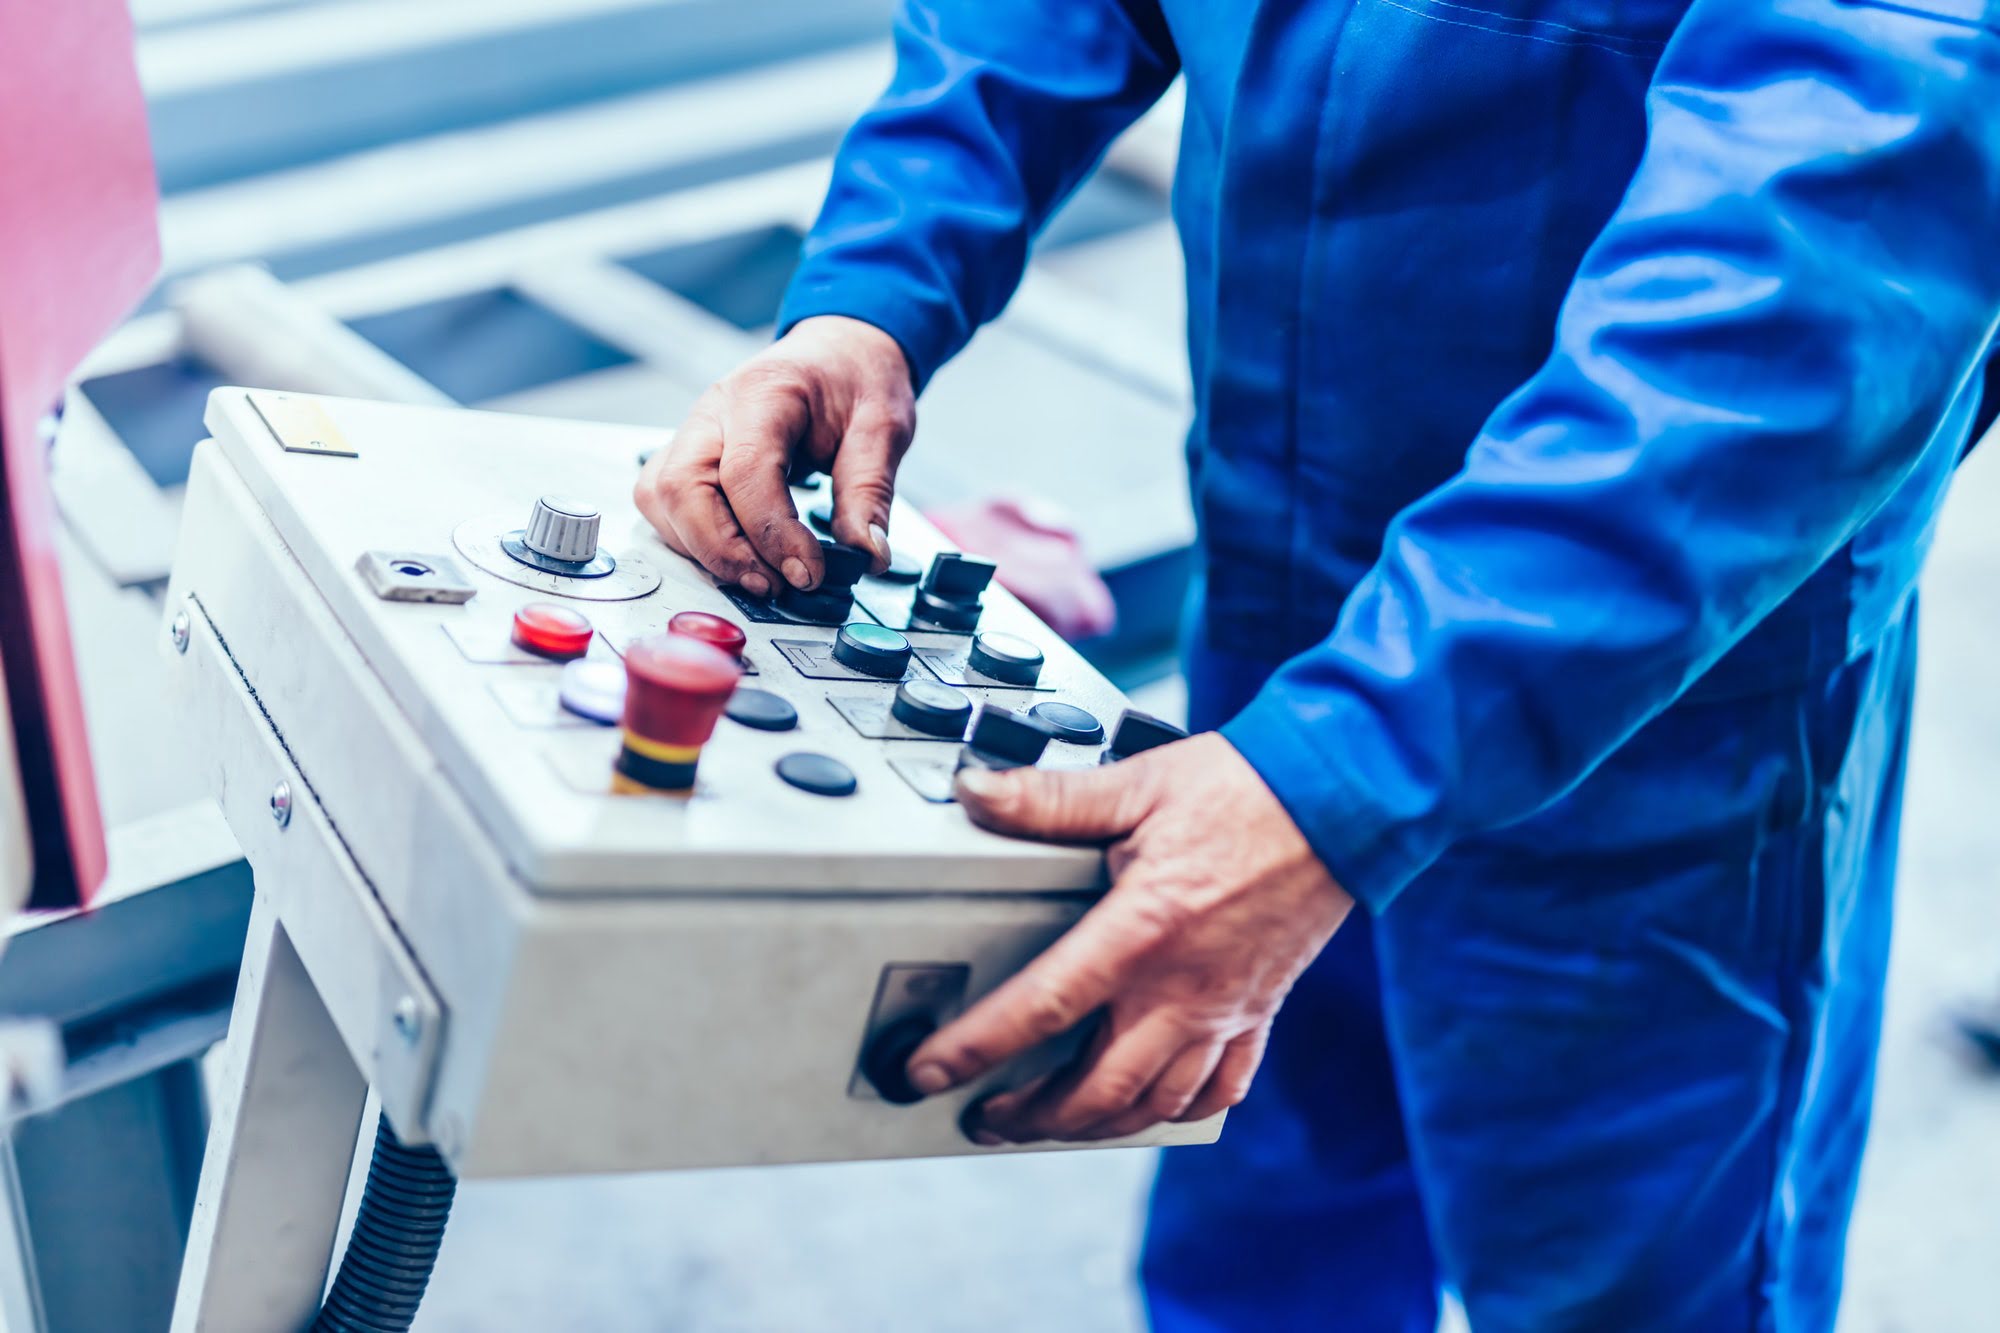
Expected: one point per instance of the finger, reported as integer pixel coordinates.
(1076, 805)
(679, 494)
(1169, 1097)
(864, 477)
(1009, 1101)
(1230, 1083)
(1110, 1084)
(1069, 981)
(762, 420)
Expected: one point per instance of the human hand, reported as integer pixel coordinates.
(1217, 904)
(834, 393)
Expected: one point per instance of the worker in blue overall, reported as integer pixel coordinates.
(1576, 385)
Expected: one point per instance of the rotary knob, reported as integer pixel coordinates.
(562, 528)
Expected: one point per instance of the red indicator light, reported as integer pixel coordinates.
(551, 631)
(724, 634)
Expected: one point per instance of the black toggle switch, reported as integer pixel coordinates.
(821, 606)
(1003, 739)
(885, 1064)
(1138, 732)
(844, 564)
(873, 650)
(933, 708)
(1005, 657)
(951, 588)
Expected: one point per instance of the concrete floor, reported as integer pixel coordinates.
(1048, 1243)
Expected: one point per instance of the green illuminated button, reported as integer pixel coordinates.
(873, 650)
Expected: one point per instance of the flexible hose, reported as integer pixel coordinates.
(394, 1245)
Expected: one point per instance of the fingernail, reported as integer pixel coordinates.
(795, 572)
(978, 782)
(878, 537)
(755, 584)
(930, 1079)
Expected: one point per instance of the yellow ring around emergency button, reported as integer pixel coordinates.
(666, 754)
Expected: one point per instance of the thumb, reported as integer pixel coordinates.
(864, 478)
(1087, 805)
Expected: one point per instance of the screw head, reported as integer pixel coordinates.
(409, 1023)
(281, 804)
(180, 630)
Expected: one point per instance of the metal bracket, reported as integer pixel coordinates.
(388, 1015)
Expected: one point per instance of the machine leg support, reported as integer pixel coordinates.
(280, 1146)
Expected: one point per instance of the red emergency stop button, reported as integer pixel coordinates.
(551, 631)
(724, 634)
(675, 690)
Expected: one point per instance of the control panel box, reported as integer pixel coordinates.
(633, 945)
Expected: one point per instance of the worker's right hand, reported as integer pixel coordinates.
(833, 393)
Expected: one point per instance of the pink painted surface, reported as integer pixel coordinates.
(1041, 561)
(78, 246)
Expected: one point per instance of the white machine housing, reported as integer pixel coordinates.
(535, 973)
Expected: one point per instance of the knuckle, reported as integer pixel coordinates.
(1155, 915)
(764, 375)
(741, 463)
(1049, 1010)
(1109, 1092)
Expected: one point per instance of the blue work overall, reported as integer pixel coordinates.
(1576, 384)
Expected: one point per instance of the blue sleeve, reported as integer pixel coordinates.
(1761, 344)
(996, 112)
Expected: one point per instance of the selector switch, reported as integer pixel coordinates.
(933, 708)
(874, 650)
(830, 603)
(949, 594)
(1003, 739)
(1005, 657)
(676, 688)
(844, 564)
(563, 528)
(561, 538)
(1138, 732)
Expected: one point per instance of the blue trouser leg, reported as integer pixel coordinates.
(1637, 1031)
(1305, 1215)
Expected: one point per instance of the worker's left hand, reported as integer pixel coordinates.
(1216, 906)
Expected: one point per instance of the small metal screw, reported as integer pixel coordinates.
(409, 1023)
(181, 629)
(281, 803)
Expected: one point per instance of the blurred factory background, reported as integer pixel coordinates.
(589, 208)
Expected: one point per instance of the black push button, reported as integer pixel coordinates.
(1007, 657)
(820, 774)
(886, 1062)
(932, 708)
(1069, 722)
(901, 569)
(874, 650)
(821, 517)
(844, 564)
(1138, 732)
(1003, 739)
(821, 606)
(950, 591)
(761, 709)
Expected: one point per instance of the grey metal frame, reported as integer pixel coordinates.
(96, 1193)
